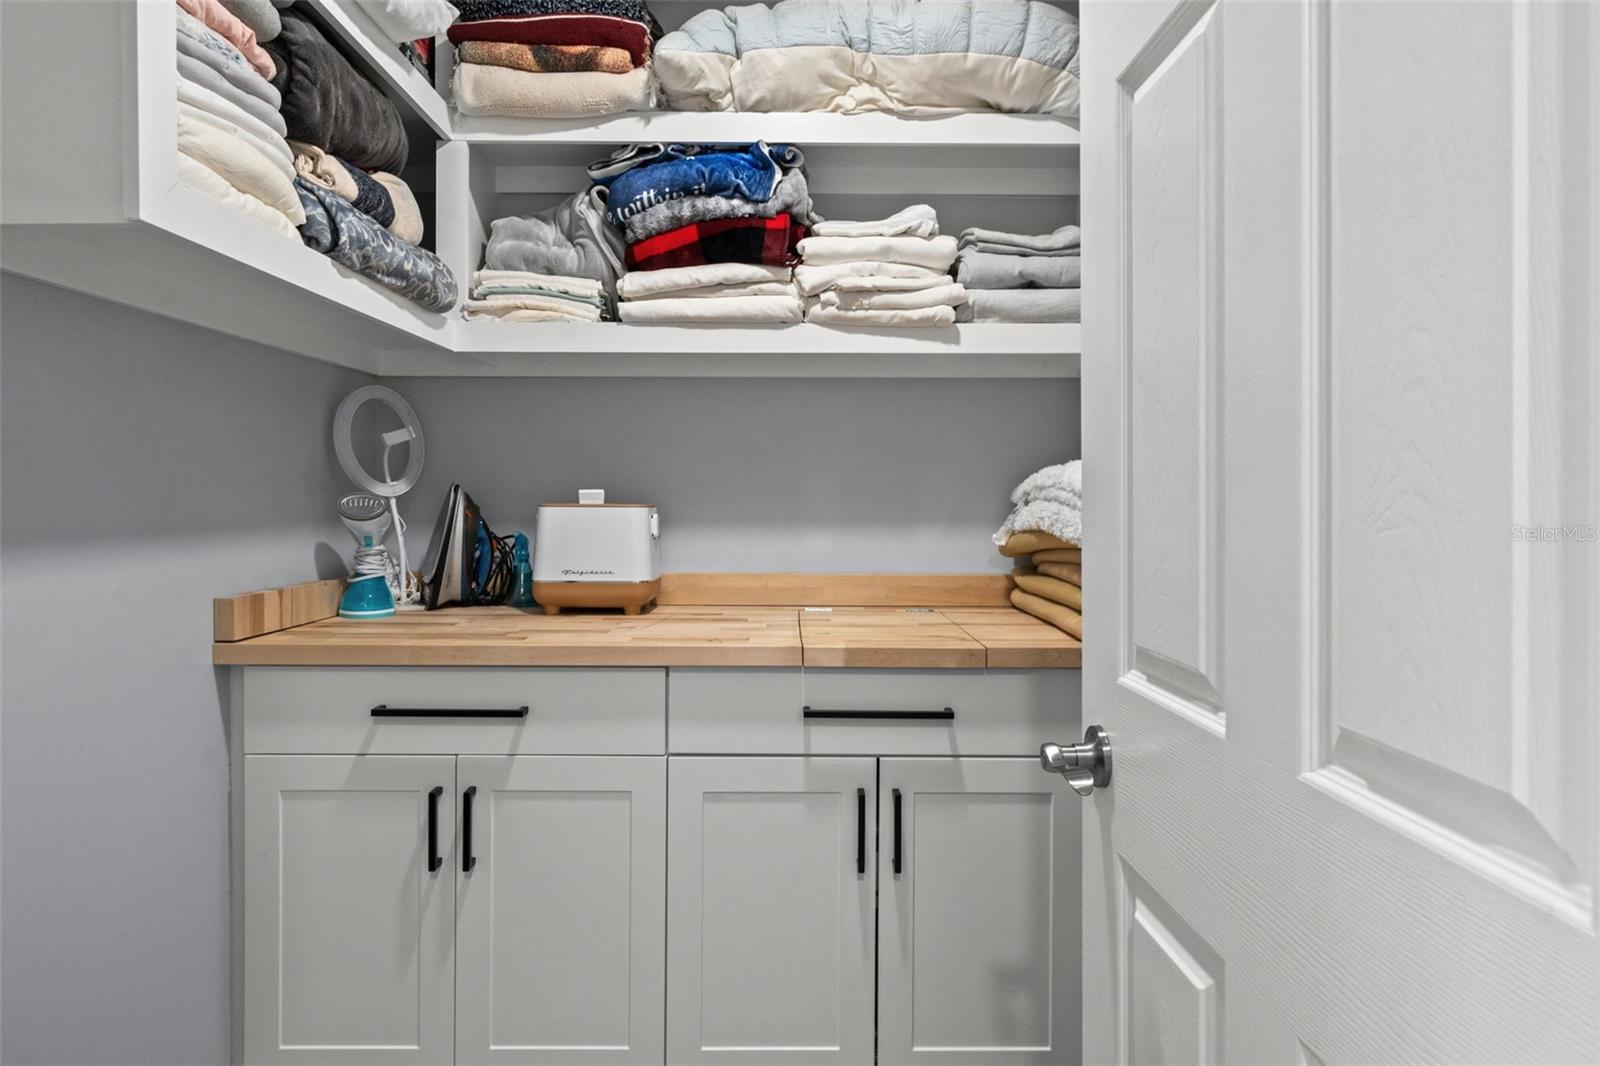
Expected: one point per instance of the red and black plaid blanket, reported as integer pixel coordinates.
(721, 240)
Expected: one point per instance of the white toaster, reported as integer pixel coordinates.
(596, 554)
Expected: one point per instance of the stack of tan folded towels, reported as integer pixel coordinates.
(1048, 573)
(1043, 534)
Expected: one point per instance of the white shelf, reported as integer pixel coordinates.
(872, 129)
(383, 62)
(605, 349)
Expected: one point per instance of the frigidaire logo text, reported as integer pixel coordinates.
(588, 573)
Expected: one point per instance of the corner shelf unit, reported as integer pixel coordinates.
(121, 225)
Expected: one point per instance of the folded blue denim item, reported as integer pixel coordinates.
(340, 232)
(678, 171)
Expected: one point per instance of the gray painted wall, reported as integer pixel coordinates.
(754, 475)
(146, 466)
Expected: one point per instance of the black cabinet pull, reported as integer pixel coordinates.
(897, 832)
(944, 714)
(468, 860)
(435, 860)
(383, 710)
(861, 830)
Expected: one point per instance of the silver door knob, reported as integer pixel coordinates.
(1085, 766)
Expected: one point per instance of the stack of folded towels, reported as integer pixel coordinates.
(559, 265)
(553, 58)
(1019, 277)
(891, 272)
(231, 136)
(710, 232)
(347, 144)
(1043, 535)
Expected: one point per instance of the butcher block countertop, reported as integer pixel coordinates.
(970, 637)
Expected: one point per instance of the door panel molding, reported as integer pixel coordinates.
(1170, 496)
(1165, 963)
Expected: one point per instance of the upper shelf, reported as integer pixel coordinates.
(872, 129)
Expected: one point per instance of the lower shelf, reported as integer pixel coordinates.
(601, 349)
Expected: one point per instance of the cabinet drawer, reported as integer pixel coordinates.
(871, 712)
(295, 710)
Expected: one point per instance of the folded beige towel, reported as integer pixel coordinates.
(242, 164)
(1063, 618)
(1032, 541)
(942, 315)
(407, 224)
(1058, 555)
(214, 185)
(481, 89)
(934, 296)
(1072, 573)
(1053, 589)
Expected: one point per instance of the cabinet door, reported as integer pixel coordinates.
(560, 937)
(348, 935)
(978, 931)
(769, 916)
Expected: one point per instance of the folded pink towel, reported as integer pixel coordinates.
(242, 37)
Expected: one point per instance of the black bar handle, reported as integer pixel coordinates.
(435, 860)
(861, 831)
(945, 714)
(897, 832)
(383, 710)
(468, 860)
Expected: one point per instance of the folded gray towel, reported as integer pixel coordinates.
(240, 75)
(1063, 241)
(1021, 305)
(986, 270)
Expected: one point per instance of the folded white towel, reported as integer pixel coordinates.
(865, 274)
(559, 282)
(720, 292)
(943, 315)
(935, 296)
(918, 220)
(936, 253)
(237, 159)
(745, 310)
(522, 314)
(637, 283)
(214, 185)
(578, 312)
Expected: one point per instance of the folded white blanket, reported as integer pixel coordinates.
(934, 296)
(1062, 241)
(749, 310)
(639, 283)
(1063, 481)
(918, 220)
(578, 312)
(813, 279)
(244, 166)
(201, 103)
(589, 287)
(481, 89)
(943, 315)
(754, 288)
(198, 176)
(936, 253)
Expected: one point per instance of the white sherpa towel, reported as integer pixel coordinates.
(719, 292)
(1048, 501)
(862, 274)
(918, 220)
(935, 253)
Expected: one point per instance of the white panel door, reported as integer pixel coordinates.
(978, 952)
(770, 911)
(1340, 407)
(348, 933)
(561, 920)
